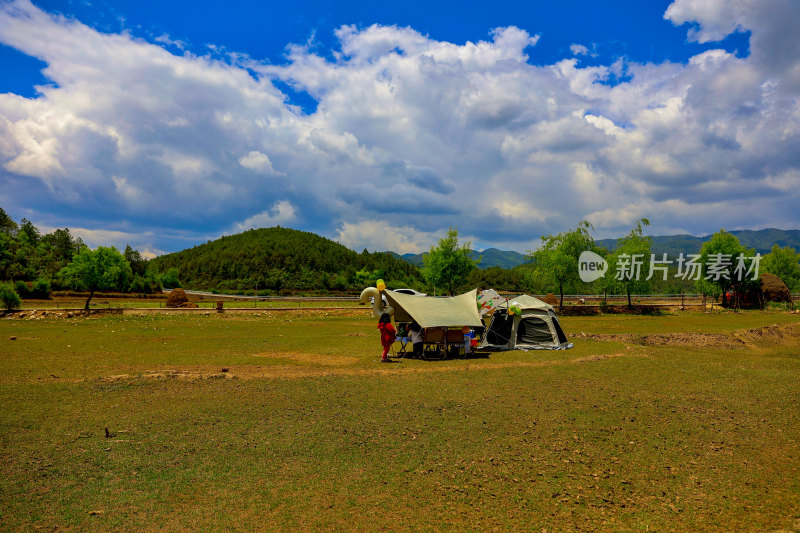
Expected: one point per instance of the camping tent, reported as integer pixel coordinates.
(535, 327)
(428, 312)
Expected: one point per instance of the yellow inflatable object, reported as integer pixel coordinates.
(377, 302)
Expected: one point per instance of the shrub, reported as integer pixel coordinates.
(138, 285)
(8, 296)
(778, 306)
(170, 279)
(41, 289)
(143, 285)
(22, 289)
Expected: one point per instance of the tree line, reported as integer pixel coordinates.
(32, 265)
(721, 265)
(284, 261)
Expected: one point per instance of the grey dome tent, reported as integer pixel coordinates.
(536, 327)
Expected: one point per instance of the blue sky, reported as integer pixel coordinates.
(163, 125)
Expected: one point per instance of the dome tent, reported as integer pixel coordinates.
(535, 327)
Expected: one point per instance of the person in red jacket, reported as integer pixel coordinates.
(388, 335)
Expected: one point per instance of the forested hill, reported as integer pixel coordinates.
(279, 259)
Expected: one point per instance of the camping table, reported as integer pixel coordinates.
(401, 353)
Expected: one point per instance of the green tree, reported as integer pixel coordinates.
(7, 255)
(448, 265)
(8, 296)
(7, 224)
(103, 269)
(556, 261)
(784, 263)
(367, 278)
(59, 249)
(138, 265)
(631, 259)
(718, 257)
(28, 232)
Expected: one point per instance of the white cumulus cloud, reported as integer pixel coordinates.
(283, 212)
(257, 162)
(410, 134)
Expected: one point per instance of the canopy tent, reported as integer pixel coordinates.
(489, 300)
(535, 327)
(429, 312)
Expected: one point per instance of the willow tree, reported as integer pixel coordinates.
(631, 259)
(556, 261)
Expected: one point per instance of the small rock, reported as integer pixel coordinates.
(12, 338)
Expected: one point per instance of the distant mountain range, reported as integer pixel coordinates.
(761, 240)
(491, 257)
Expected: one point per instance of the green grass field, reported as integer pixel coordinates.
(283, 421)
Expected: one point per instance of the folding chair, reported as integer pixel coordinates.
(434, 344)
(455, 340)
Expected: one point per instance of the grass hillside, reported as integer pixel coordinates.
(278, 259)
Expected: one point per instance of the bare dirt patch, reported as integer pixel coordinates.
(703, 340)
(773, 334)
(605, 356)
(184, 375)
